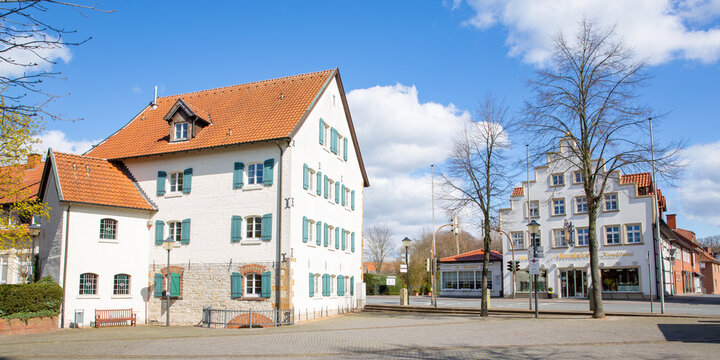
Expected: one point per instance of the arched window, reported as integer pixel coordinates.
(253, 285)
(88, 284)
(121, 284)
(108, 229)
(254, 227)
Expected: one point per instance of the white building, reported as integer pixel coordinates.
(250, 181)
(624, 232)
(461, 275)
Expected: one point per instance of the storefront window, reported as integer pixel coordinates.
(620, 280)
(466, 279)
(522, 281)
(449, 279)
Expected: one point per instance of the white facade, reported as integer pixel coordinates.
(464, 279)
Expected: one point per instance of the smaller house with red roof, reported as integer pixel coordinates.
(461, 275)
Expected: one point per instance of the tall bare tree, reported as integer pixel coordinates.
(377, 246)
(588, 96)
(477, 175)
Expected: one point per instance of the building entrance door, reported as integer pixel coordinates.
(574, 283)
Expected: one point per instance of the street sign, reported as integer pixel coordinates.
(534, 267)
(390, 281)
(539, 252)
(403, 268)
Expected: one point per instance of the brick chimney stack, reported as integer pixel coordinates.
(672, 223)
(32, 161)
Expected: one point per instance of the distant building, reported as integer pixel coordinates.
(388, 268)
(461, 275)
(686, 253)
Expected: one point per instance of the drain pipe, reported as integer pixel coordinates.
(65, 261)
(278, 229)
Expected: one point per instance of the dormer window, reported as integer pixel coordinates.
(181, 131)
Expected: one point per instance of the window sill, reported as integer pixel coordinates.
(251, 242)
(108, 241)
(121, 297)
(637, 243)
(620, 244)
(557, 215)
(581, 213)
(610, 211)
(250, 298)
(556, 186)
(173, 194)
(559, 247)
(89, 297)
(252, 187)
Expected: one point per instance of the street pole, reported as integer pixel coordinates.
(167, 292)
(532, 236)
(407, 283)
(432, 257)
(536, 300)
(656, 231)
(650, 281)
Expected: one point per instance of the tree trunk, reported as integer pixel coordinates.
(486, 263)
(598, 312)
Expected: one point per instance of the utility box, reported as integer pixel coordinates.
(79, 318)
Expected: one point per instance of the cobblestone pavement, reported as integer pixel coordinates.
(389, 335)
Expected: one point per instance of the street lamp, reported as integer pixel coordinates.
(406, 244)
(534, 227)
(168, 245)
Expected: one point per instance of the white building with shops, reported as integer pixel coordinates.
(259, 185)
(624, 232)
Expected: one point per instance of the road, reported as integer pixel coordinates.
(685, 304)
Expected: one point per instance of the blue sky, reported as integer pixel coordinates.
(436, 59)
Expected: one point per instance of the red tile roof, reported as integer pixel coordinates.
(386, 266)
(641, 179)
(518, 191)
(90, 180)
(31, 180)
(475, 255)
(688, 237)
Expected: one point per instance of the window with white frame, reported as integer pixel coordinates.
(333, 283)
(121, 284)
(347, 199)
(175, 230)
(558, 206)
(583, 236)
(345, 240)
(108, 229)
(331, 237)
(449, 280)
(578, 177)
(331, 190)
(253, 227)
(253, 285)
(518, 239)
(311, 229)
(326, 136)
(534, 209)
(634, 235)
(88, 284)
(23, 269)
(612, 234)
(611, 202)
(581, 205)
(255, 174)
(340, 148)
(317, 284)
(558, 179)
(311, 181)
(176, 182)
(4, 269)
(181, 131)
(478, 279)
(559, 238)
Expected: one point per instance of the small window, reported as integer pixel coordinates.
(612, 235)
(175, 230)
(634, 235)
(331, 235)
(176, 181)
(121, 284)
(181, 131)
(518, 240)
(581, 205)
(611, 202)
(339, 147)
(347, 197)
(311, 181)
(559, 238)
(578, 177)
(534, 209)
(88, 284)
(311, 228)
(333, 289)
(317, 284)
(558, 179)
(254, 227)
(108, 228)
(331, 189)
(255, 174)
(558, 206)
(583, 236)
(253, 285)
(327, 141)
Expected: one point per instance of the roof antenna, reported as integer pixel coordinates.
(153, 104)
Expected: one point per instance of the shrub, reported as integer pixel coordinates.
(21, 300)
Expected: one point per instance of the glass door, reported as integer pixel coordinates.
(573, 283)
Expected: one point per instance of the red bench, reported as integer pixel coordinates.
(114, 316)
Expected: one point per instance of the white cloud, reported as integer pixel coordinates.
(400, 138)
(58, 141)
(38, 59)
(699, 192)
(659, 30)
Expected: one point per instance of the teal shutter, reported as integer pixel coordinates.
(333, 140)
(322, 132)
(318, 233)
(187, 180)
(337, 237)
(305, 229)
(337, 192)
(352, 200)
(236, 229)
(185, 232)
(269, 164)
(318, 183)
(342, 195)
(236, 285)
(161, 183)
(326, 282)
(352, 241)
(345, 149)
(159, 232)
(352, 285)
(340, 285)
(344, 238)
(327, 183)
(158, 285)
(238, 175)
(306, 176)
(312, 285)
(266, 284)
(327, 234)
(266, 227)
(174, 284)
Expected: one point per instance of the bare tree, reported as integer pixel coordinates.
(377, 245)
(710, 241)
(477, 175)
(587, 97)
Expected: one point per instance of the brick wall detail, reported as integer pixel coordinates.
(33, 325)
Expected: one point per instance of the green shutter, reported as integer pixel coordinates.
(337, 237)
(185, 232)
(236, 285)
(318, 233)
(327, 234)
(305, 229)
(187, 180)
(326, 282)
(352, 241)
(327, 183)
(266, 227)
(311, 285)
(158, 285)
(161, 183)
(268, 171)
(337, 192)
(342, 195)
(236, 228)
(266, 284)
(333, 140)
(352, 285)
(174, 284)
(306, 176)
(340, 285)
(345, 149)
(318, 183)
(352, 200)
(159, 232)
(322, 132)
(238, 175)
(344, 238)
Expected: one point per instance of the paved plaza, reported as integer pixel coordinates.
(390, 335)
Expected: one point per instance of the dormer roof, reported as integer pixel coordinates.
(190, 110)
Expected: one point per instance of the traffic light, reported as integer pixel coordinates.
(510, 266)
(427, 265)
(517, 266)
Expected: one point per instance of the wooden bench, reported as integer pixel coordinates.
(114, 316)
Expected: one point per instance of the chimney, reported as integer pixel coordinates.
(153, 104)
(671, 221)
(32, 161)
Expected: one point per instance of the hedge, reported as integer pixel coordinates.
(375, 285)
(43, 298)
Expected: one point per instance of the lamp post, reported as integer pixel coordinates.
(533, 227)
(406, 244)
(168, 244)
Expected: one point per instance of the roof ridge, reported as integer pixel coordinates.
(80, 156)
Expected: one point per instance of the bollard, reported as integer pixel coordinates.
(404, 297)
